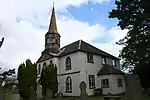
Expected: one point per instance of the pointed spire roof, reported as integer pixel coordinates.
(53, 25)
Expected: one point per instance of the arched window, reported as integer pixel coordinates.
(39, 69)
(51, 62)
(57, 40)
(68, 63)
(68, 85)
(44, 64)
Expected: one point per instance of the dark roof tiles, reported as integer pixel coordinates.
(81, 45)
(108, 69)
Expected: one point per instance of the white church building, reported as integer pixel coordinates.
(80, 61)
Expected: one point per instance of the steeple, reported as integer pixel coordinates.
(53, 25)
(52, 37)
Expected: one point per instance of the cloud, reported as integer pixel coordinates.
(111, 46)
(20, 22)
(79, 30)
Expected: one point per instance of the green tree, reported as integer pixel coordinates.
(1, 42)
(54, 80)
(23, 90)
(145, 5)
(27, 78)
(48, 78)
(133, 15)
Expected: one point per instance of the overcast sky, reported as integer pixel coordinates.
(24, 23)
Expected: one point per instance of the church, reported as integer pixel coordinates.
(80, 61)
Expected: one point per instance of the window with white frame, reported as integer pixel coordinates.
(44, 64)
(51, 62)
(103, 60)
(91, 81)
(114, 62)
(68, 63)
(119, 81)
(90, 58)
(105, 83)
(68, 85)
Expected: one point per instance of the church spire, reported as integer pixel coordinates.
(52, 37)
(53, 25)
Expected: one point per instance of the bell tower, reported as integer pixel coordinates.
(52, 37)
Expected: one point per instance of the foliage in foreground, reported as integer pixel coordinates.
(26, 78)
(48, 78)
(134, 16)
(5, 74)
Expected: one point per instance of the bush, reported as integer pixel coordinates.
(27, 76)
(48, 79)
(98, 92)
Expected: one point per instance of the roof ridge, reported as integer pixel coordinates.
(80, 42)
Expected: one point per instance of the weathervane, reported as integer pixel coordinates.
(53, 3)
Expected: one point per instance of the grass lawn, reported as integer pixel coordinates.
(147, 98)
(99, 98)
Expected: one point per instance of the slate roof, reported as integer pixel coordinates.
(108, 69)
(81, 45)
(45, 56)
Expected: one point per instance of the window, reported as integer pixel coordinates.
(90, 58)
(44, 64)
(39, 69)
(68, 63)
(119, 81)
(51, 62)
(48, 40)
(114, 62)
(68, 85)
(54, 40)
(91, 81)
(57, 41)
(105, 83)
(103, 60)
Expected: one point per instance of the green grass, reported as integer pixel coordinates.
(99, 98)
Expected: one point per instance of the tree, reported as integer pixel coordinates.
(10, 72)
(1, 42)
(27, 78)
(133, 15)
(48, 78)
(4, 75)
(145, 5)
